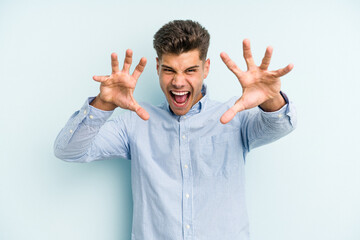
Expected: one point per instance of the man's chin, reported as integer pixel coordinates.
(180, 109)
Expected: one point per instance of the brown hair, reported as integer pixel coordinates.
(181, 36)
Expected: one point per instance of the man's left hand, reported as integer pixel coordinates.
(259, 85)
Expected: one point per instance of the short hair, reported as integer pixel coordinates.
(181, 36)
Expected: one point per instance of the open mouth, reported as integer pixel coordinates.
(180, 98)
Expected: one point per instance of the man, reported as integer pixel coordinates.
(187, 155)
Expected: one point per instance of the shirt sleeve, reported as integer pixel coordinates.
(89, 135)
(259, 127)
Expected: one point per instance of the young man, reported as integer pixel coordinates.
(187, 155)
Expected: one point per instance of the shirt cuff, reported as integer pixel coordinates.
(94, 116)
(286, 112)
(277, 114)
(285, 97)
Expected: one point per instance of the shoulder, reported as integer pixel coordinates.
(214, 106)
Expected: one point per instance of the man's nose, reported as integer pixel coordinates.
(179, 81)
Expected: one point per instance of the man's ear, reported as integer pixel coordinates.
(206, 67)
(157, 65)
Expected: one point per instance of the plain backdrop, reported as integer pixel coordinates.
(304, 186)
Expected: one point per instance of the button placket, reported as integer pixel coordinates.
(187, 179)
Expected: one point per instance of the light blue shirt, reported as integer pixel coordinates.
(187, 172)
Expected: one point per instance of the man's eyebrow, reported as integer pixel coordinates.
(192, 67)
(165, 66)
(189, 68)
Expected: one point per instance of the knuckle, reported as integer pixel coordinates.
(139, 68)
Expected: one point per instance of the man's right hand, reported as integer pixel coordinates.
(117, 89)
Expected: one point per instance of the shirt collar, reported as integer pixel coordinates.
(197, 108)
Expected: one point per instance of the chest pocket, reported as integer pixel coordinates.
(220, 154)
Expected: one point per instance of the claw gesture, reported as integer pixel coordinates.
(117, 89)
(259, 85)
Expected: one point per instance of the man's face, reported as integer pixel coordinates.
(181, 78)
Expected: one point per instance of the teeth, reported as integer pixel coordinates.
(179, 93)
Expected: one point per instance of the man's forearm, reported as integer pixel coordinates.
(74, 140)
(262, 127)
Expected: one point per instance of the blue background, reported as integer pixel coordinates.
(304, 186)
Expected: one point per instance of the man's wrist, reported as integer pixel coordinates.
(275, 103)
(100, 104)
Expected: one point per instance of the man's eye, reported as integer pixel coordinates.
(191, 70)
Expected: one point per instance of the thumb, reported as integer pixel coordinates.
(142, 113)
(231, 112)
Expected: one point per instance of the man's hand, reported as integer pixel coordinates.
(259, 85)
(117, 89)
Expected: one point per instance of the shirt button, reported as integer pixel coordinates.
(187, 195)
(188, 226)
(184, 137)
(91, 116)
(280, 115)
(186, 166)
(84, 111)
(71, 131)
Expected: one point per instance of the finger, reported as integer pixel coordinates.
(247, 54)
(281, 72)
(231, 112)
(266, 60)
(128, 60)
(101, 78)
(141, 112)
(139, 68)
(230, 64)
(114, 63)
